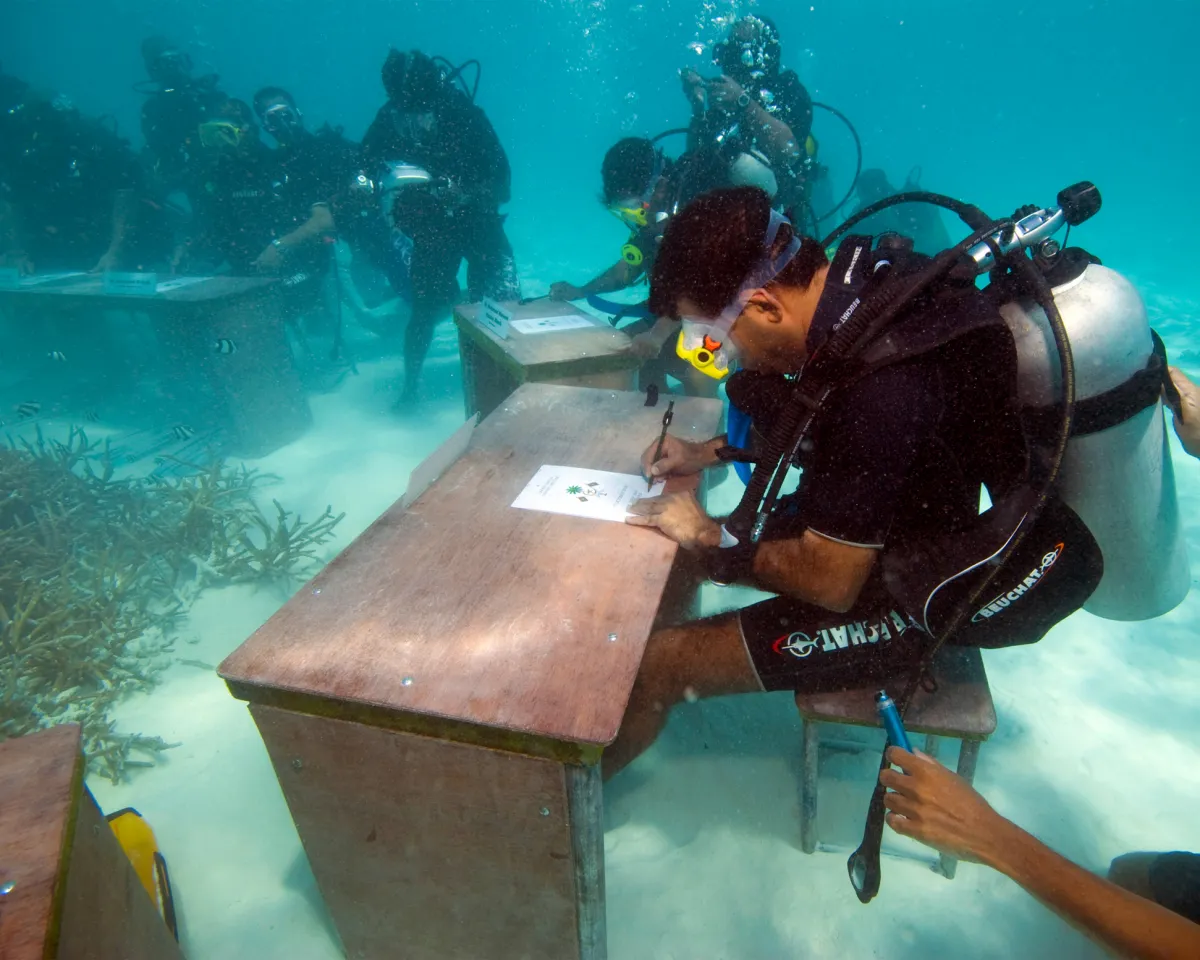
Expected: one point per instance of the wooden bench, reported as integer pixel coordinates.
(960, 707)
(435, 702)
(67, 889)
(493, 367)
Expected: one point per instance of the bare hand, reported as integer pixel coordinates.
(106, 262)
(270, 260)
(680, 517)
(679, 458)
(565, 291)
(724, 92)
(644, 345)
(693, 87)
(937, 807)
(1188, 430)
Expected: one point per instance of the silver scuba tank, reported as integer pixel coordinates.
(752, 169)
(1119, 480)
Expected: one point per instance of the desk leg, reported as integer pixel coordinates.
(431, 849)
(586, 798)
(468, 356)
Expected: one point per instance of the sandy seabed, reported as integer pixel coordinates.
(1096, 753)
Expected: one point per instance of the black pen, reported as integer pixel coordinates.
(662, 437)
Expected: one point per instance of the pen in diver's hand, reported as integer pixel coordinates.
(662, 437)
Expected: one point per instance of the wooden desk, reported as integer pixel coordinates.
(598, 356)
(436, 700)
(75, 894)
(253, 394)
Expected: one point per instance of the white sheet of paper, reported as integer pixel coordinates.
(579, 492)
(551, 324)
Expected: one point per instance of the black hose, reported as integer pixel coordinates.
(670, 133)
(858, 166)
(970, 214)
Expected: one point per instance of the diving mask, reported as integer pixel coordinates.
(707, 343)
(632, 214)
(634, 211)
(222, 134)
(283, 122)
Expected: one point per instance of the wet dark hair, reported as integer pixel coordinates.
(412, 80)
(267, 94)
(711, 246)
(627, 168)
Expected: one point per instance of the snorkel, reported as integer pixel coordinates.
(706, 343)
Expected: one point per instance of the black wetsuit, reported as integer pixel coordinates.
(61, 172)
(463, 147)
(899, 457)
(170, 126)
(247, 201)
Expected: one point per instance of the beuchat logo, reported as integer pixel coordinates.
(1004, 600)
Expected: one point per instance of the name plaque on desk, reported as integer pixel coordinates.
(494, 317)
(131, 284)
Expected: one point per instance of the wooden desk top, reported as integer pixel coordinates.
(91, 289)
(599, 347)
(41, 776)
(466, 609)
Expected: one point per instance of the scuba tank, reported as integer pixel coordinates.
(1117, 473)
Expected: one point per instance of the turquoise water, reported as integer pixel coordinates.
(1000, 104)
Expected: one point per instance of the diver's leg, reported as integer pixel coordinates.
(491, 267)
(702, 659)
(435, 260)
(778, 644)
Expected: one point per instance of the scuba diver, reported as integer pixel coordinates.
(246, 209)
(67, 183)
(309, 171)
(757, 114)
(903, 391)
(920, 222)
(643, 188)
(176, 104)
(451, 213)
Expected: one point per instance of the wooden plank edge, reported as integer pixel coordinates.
(419, 724)
(54, 931)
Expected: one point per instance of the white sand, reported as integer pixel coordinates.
(1095, 753)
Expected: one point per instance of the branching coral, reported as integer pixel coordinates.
(97, 573)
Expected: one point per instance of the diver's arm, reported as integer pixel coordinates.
(318, 224)
(122, 211)
(814, 569)
(662, 331)
(617, 277)
(772, 134)
(933, 805)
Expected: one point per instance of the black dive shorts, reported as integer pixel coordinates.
(1175, 882)
(798, 646)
